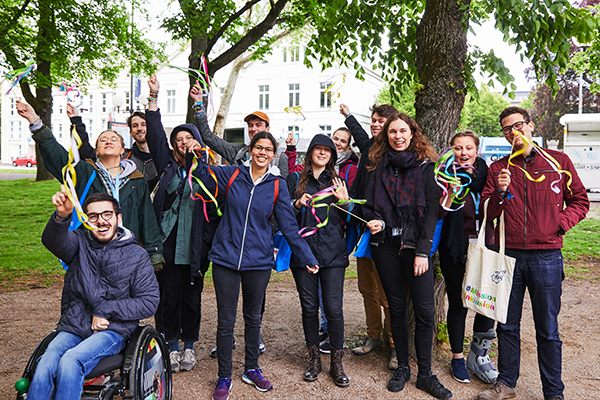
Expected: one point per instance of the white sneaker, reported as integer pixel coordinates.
(175, 358)
(188, 361)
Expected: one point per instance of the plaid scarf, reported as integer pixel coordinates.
(108, 181)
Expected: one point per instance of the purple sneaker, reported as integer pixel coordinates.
(222, 389)
(255, 377)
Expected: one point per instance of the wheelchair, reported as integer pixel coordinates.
(141, 371)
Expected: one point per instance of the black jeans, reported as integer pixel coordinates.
(393, 269)
(227, 289)
(332, 284)
(179, 312)
(453, 275)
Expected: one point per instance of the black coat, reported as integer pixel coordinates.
(327, 244)
(114, 281)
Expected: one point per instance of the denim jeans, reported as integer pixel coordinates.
(332, 284)
(227, 289)
(393, 269)
(541, 272)
(68, 359)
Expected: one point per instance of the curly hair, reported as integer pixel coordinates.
(419, 144)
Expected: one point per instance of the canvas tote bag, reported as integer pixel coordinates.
(488, 276)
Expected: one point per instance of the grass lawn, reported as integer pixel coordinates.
(25, 207)
(18, 171)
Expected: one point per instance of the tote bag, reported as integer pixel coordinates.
(488, 276)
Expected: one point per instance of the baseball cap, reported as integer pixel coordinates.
(259, 115)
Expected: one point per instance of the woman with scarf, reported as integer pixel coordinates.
(328, 244)
(459, 226)
(402, 209)
(107, 174)
(346, 164)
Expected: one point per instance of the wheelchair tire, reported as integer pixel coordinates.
(150, 376)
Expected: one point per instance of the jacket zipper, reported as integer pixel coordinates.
(245, 227)
(525, 202)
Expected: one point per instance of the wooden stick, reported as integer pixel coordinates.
(346, 211)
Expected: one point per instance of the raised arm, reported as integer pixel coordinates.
(155, 133)
(86, 150)
(361, 137)
(56, 236)
(227, 150)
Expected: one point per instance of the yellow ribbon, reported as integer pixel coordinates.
(335, 92)
(70, 179)
(296, 110)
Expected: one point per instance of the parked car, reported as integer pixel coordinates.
(27, 159)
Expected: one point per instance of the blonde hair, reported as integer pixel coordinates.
(116, 133)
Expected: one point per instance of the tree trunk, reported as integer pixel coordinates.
(441, 58)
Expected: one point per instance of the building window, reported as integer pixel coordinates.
(295, 129)
(325, 130)
(91, 109)
(291, 54)
(12, 129)
(12, 106)
(103, 125)
(294, 94)
(263, 97)
(325, 97)
(170, 101)
(105, 102)
(127, 100)
(60, 109)
(60, 131)
(20, 129)
(90, 128)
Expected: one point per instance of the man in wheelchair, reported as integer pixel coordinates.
(110, 285)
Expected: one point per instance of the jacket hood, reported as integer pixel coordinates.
(323, 140)
(191, 128)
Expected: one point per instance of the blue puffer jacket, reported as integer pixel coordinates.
(114, 281)
(243, 240)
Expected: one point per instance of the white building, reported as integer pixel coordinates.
(270, 86)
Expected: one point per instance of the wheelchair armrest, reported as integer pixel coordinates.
(132, 347)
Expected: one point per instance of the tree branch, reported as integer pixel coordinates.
(250, 38)
(229, 21)
(15, 18)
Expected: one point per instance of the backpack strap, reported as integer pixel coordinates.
(235, 173)
(275, 196)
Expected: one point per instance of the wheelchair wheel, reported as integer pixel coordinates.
(150, 376)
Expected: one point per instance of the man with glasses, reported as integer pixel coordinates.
(538, 212)
(109, 287)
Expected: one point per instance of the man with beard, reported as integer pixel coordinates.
(109, 286)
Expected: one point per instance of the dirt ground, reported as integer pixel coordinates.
(26, 316)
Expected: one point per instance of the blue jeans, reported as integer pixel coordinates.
(541, 272)
(68, 359)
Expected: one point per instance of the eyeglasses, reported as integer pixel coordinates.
(106, 215)
(113, 139)
(507, 130)
(259, 149)
(180, 139)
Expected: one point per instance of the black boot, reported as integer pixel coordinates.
(336, 369)
(314, 364)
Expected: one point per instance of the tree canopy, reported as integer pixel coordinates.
(426, 43)
(70, 41)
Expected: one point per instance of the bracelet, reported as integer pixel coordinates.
(198, 108)
(153, 97)
(36, 122)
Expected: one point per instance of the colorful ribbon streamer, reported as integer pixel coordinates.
(447, 178)
(296, 110)
(202, 78)
(20, 73)
(335, 92)
(69, 91)
(544, 154)
(70, 179)
(311, 230)
(198, 196)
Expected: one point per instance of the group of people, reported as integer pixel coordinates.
(226, 215)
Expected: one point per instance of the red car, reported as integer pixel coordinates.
(27, 159)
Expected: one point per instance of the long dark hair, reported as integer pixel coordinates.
(307, 171)
(419, 144)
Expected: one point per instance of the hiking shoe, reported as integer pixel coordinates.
(429, 383)
(458, 369)
(188, 361)
(175, 358)
(367, 346)
(261, 346)
(325, 346)
(393, 364)
(256, 378)
(498, 391)
(401, 376)
(222, 389)
(213, 352)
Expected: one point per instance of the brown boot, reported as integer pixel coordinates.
(336, 369)
(314, 363)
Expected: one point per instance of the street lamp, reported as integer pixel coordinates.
(118, 101)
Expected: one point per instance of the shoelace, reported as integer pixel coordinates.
(222, 384)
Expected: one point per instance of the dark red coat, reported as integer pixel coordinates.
(536, 217)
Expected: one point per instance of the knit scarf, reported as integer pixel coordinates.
(400, 174)
(341, 158)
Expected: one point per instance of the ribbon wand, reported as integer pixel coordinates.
(346, 211)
